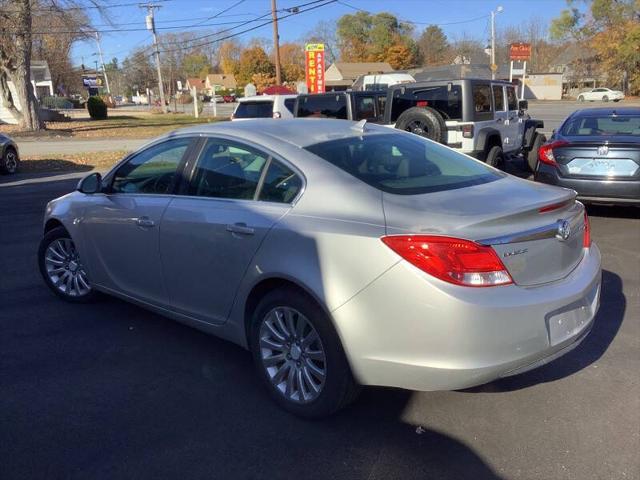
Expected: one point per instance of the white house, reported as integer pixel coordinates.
(42, 87)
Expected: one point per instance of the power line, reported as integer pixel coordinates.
(224, 11)
(54, 8)
(252, 28)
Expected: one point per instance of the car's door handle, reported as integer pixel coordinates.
(240, 228)
(499, 120)
(145, 222)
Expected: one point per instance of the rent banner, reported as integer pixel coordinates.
(314, 54)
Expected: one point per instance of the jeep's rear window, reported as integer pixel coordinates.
(258, 109)
(404, 164)
(323, 106)
(447, 101)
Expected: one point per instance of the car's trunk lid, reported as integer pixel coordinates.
(609, 157)
(521, 220)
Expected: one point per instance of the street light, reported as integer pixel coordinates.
(494, 67)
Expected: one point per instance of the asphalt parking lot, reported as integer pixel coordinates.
(112, 391)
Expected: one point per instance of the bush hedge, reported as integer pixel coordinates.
(97, 108)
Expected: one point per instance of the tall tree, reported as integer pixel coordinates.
(254, 60)
(139, 72)
(229, 56)
(325, 32)
(292, 60)
(194, 65)
(434, 46)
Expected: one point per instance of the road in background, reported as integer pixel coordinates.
(113, 391)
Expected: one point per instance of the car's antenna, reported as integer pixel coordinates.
(360, 126)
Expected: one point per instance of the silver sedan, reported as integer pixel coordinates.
(339, 254)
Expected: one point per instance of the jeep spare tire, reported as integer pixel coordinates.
(423, 121)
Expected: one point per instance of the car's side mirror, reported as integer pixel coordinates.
(92, 183)
(523, 105)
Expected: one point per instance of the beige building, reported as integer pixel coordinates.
(544, 86)
(341, 75)
(220, 81)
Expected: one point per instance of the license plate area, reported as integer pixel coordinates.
(571, 320)
(603, 167)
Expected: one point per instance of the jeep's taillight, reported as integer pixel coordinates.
(454, 260)
(586, 239)
(545, 153)
(467, 131)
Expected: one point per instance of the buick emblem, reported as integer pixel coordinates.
(603, 150)
(564, 230)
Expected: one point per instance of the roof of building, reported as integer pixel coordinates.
(195, 82)
(350, 70)
(224, 79)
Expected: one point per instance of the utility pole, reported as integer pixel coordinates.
(494, 67)
(276, 41)
(104, 70)
(151, 26)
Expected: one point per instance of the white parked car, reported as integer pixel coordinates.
(601, 94)
(265, 106)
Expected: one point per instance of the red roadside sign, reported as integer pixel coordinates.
(314, 68)
(520, 51)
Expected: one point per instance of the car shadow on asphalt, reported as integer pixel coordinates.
(605, 328)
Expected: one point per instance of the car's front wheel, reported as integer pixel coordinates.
(61, 267)
(605, 99)
(581, 99)
(299, 356)
(532, 155)
(495, 156)
(9, 162)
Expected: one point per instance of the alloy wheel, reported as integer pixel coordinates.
(10, 162)
(64, 268)
(417, 127)
(292, 354)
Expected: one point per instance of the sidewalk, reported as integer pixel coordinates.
(38, 146)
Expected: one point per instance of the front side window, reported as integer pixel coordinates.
(280, 184)
(481, 102)
(323, 106)
(261, 109)
(227, 170)
(152, 171)
(403, 164)
(498, 98)
(512, 98)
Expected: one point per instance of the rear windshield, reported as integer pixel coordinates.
(604, 125)
(258, 109)
(447, 101)
(404, 164)
(324, 106)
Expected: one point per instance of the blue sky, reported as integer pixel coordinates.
(446, 13)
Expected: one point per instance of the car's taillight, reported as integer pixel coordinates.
(277, 115)
(467, 131)
(454, 260)
(586, 242)
(545, 153)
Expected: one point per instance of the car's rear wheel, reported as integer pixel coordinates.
(495, 156)
(532, 155)
(299, 356)
(581, 99)
(616, 100)
(61, 267)
(605, 99)
(10, 161)
(424, 121)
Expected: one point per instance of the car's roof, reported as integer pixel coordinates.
(607, 111)
(300, 132)
(265, 98)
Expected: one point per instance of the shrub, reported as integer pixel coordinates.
(97, 108)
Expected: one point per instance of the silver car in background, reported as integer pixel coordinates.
(340, 254)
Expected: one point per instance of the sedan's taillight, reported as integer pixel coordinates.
(545, 153)
(454, 260)
(586, 242)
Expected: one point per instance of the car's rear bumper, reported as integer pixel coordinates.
(594, 191)
(405, 330)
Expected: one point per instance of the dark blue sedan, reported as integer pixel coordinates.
(596, 152)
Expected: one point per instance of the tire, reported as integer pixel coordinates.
(617, 100)
(495, 156)
(10, 162)
(532, 155)
(605, 99)
(58, 252)
(423, 121)
(336, 389)
(581, 99)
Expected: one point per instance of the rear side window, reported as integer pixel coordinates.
(365, 108)
(512, 98)
(290, 104)
(498, 98)
(263, 109)
(323, 106)
(403, 164)
(280, 185)
(447, 101)
(481, 102)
